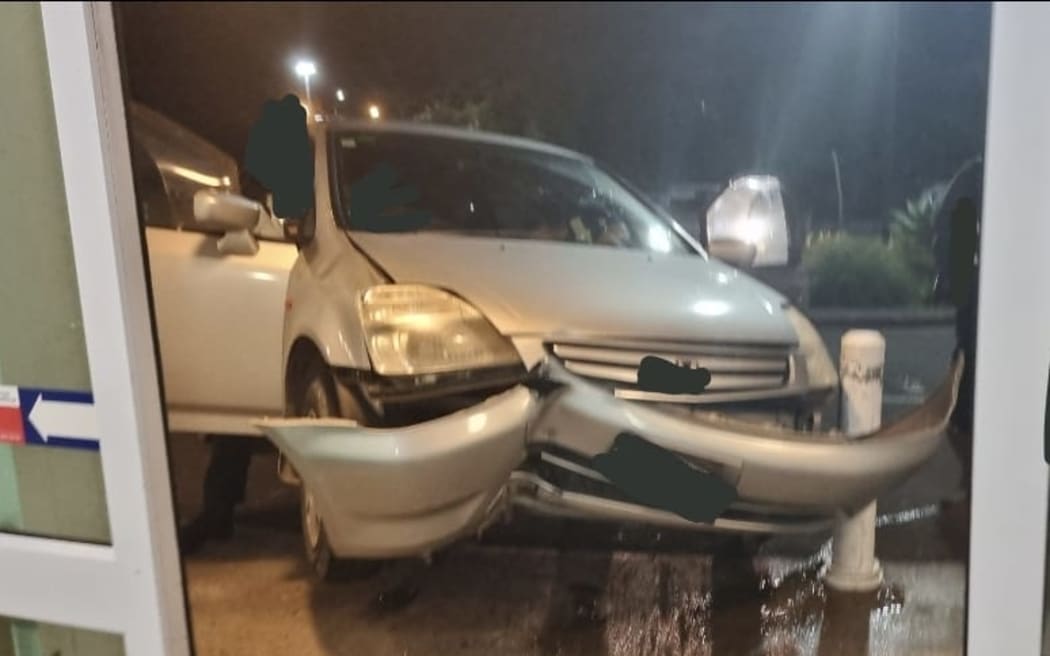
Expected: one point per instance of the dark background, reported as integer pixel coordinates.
(663, 93)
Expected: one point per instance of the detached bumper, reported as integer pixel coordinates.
(774, 467)
(390, 492)
(393, 492)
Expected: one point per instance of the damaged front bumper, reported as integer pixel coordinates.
(569, 447)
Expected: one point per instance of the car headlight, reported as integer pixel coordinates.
(820, 370)
(415, 329)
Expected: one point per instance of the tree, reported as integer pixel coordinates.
(911, 234)
(496, 107)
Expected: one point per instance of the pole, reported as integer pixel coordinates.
(838, 183)
(854, 567)
(309, 101)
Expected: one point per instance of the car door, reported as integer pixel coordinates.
(219, 316)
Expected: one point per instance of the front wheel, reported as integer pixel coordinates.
(316, 397)
(325, 565)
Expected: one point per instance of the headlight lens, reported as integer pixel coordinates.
(820, 369)
(415, 329)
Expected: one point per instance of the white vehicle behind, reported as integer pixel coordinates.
(218, 296)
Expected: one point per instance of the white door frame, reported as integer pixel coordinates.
(134, 587)
(1008, 527)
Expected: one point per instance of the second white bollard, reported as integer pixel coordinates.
(854, 567)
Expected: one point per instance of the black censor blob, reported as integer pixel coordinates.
(655, 477)
(659, 375)
(279, 156)
(379, 202)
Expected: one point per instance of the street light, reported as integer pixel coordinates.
(305, 68)
(373, 112)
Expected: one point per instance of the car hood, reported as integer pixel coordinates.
(548, 288)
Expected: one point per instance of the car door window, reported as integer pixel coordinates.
(150, 194)
(171, 164)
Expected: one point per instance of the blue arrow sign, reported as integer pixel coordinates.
(59, 418)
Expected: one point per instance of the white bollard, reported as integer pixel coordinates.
(854, 567)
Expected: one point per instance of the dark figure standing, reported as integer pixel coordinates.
(956, 235)
(224, 487)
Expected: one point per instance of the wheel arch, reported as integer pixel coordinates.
(303, 353)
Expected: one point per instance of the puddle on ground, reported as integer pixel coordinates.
(735, 606)
(577, 614)
(654, 603)
(908, 516)
(801, 615)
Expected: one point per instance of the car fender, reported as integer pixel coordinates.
(321, 306)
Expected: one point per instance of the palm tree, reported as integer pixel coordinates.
(912, 231)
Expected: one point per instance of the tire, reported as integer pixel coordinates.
(316, 396)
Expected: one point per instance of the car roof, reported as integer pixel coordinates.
(432, 130)
(174, 147)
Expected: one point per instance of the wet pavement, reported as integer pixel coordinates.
(557, 587)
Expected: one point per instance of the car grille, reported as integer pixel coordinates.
(735, 370)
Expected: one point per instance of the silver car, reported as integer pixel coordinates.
(477, 322)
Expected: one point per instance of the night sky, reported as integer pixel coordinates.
(663, 93)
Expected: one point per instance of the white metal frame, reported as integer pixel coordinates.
(134, 587)
(1008, 528)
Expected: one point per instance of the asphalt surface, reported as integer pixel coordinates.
(544, 587)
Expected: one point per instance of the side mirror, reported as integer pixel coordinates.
(225, 211)
(749, 217)
(235, 215)
(733, 252)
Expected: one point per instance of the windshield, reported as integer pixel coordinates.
(397, 182)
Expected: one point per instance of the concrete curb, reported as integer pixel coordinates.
(865, 317)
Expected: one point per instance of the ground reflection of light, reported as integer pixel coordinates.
(711, 308)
